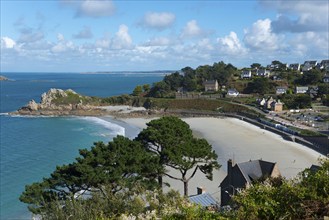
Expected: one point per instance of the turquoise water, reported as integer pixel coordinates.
(31, 147)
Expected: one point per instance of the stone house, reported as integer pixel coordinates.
(210, 85)
(277, 106)
(242, 175)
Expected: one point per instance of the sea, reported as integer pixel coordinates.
(31, 146)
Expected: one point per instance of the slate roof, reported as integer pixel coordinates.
(255, 169)
(210, 82)
(205, 200)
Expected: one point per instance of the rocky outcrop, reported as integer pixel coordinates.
(60, 102)
(2, 78)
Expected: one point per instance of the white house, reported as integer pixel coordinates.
(301, 89)
(233, 92)
(263, 72)
(246, 74)
(281, 90)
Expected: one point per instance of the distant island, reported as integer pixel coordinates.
(3, 78)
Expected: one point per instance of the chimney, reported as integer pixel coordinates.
(200, 190)
(229, 169)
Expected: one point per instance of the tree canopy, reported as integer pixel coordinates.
(171, 140)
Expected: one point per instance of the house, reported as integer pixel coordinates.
(268, 103)
(277, 106)
(308, 65)
(326, 79)
(301, 89)
(281, 90)
(204, 199)
(246, 74)
(233, 92)
(313, 91)
(324, 64)
(294, 66)
(211, 85)
(262, 101)
(242, 175)
(263, 72)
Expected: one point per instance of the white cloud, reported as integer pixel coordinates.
(192, 29)
(231, 44)
(103, 42)
(312, 45)
(7, 43)
(261, 37)
(158, 20)
(299, 16)
(30, 35)
(96, 8)
(122, 39)
(62, 45)
(85, 33)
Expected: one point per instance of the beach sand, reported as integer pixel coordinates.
(235, 139)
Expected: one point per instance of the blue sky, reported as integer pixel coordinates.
(106, 35)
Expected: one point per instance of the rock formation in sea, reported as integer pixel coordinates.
(60, 102)
(3, 78)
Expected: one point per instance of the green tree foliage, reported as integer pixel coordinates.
(192, 80)
(260, 85)
(171, 140)
(138, 90)
(304, 198)
(256, 65)
(146, 87)
(160, 90)
(311, 77)
(121, 161)
(174, 80)
(296, 101)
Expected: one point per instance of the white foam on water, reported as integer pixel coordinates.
(114, 128)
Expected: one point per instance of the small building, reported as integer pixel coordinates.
(263, 73)
(246, 74)
(262, 102)
(294, 66)
(268, 103)
(281, 90)
(308, 65)
(242, 175)
(211, 86)
(277, 106)
(326, 79)
(301, 89)
(324, 64)
(233, 92)
(204, 199)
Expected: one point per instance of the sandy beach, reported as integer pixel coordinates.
(235, 139)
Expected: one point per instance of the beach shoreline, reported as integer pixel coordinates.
(241, 141)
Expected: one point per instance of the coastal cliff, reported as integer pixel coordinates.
(60, 102)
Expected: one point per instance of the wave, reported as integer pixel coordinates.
(114, 128)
